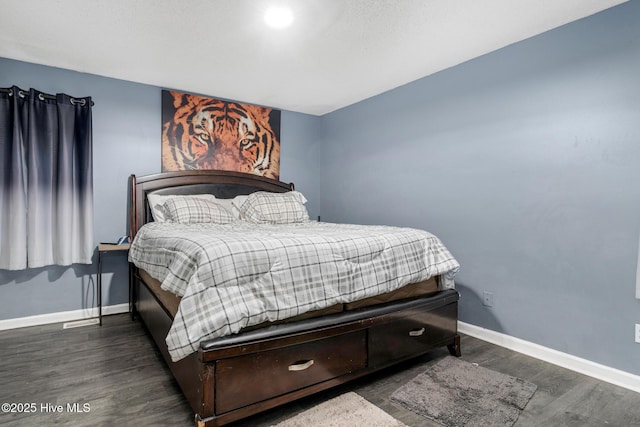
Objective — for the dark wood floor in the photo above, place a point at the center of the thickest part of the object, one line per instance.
(116, 370)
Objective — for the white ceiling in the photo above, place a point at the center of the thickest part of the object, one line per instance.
(336, 52)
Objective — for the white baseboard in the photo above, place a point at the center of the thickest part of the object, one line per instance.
(60, 317)
(565, 360)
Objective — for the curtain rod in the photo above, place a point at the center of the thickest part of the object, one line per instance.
(44, 96)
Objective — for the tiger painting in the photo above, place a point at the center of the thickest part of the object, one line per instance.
(207, 133)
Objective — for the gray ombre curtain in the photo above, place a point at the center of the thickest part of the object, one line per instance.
(46, 183)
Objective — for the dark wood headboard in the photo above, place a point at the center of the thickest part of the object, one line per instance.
(222, 184)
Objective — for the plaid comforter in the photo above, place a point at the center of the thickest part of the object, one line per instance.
(242, 274)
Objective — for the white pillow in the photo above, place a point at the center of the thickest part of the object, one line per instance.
(194, 210)
(157, 201)
(236, 204)
(228, 205)
(274, 208)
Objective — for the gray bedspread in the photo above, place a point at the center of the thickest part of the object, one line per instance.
(241, 274)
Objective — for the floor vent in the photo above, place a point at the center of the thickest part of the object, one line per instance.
(79, 323)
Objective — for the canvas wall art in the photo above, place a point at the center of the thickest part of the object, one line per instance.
(208, 133)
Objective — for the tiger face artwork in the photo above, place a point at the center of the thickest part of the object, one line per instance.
(207, 133)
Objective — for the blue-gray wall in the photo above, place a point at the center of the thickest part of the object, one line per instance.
(126, 140)
(526, 163)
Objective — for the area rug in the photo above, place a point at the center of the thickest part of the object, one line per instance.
(456, 393)
(346, 410)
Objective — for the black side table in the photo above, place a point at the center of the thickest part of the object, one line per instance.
(105, 247)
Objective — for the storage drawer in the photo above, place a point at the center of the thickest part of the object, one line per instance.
(410, 334)
(244, 380)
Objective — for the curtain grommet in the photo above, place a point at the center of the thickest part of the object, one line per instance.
(74, 101)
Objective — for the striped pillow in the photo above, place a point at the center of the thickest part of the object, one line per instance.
(156, 203)
(274, 208)
(192, 210)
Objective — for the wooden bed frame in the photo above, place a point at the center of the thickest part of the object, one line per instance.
(233, 377)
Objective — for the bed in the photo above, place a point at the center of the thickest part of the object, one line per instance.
(276, 347)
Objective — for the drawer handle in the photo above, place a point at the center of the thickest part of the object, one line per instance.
(416, 332)
(301, 366)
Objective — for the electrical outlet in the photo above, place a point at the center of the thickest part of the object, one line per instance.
(638, 333)
(487, 299)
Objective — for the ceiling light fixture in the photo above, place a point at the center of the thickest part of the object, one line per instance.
(278, 17)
